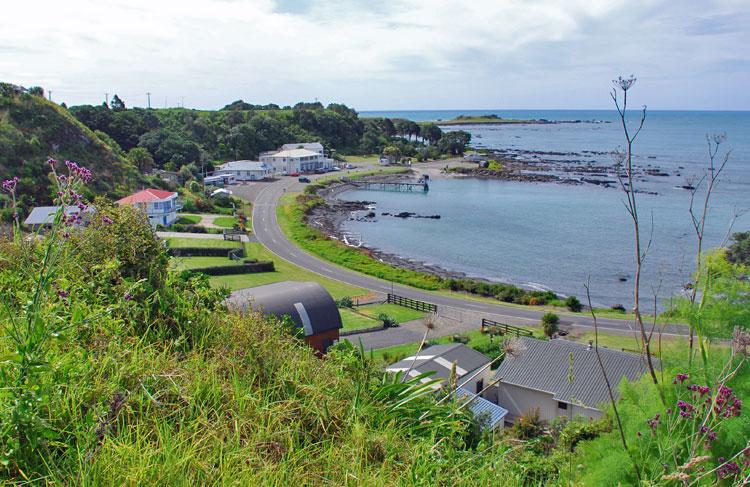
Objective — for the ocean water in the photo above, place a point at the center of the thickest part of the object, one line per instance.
(554, 236)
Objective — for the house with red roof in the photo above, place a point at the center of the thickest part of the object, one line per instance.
(160, 206)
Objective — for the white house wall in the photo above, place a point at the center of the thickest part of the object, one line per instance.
(519, 400)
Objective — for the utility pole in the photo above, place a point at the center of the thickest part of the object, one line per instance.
(182, 101)
(49, 95)
(148, 94)
(106, 98)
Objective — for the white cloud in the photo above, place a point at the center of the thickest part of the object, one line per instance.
(405, 53)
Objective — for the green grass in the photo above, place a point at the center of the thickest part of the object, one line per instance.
(367, 158)
(398, 313)
(183, 263)
(285, 271)
(188, 219)
(355, 321)
(181, 242)
(225, 221)
(289, 214)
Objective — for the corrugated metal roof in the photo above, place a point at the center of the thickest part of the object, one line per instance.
(440, 358)
(45, 215)
(308, 304)
(245, 166)
(544, 365)
(488, 413)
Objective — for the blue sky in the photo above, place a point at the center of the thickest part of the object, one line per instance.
(377, 54)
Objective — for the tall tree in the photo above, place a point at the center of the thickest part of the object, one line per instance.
(117, 103)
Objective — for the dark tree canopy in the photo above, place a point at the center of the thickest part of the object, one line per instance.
(739, 251)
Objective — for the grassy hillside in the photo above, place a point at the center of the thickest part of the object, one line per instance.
(33, 129)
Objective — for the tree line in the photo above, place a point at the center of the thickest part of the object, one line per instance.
(176, 137)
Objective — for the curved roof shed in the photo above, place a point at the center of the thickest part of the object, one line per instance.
(308, 304)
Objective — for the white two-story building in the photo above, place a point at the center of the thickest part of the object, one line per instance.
(160, 206)
(303, 157)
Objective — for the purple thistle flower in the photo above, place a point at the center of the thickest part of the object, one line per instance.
(680, 378)
(63, 293)
(9, 185)
(128, 297)
(51, 161)
(107, 220)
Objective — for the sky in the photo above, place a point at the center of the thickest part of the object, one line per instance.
(378, 54)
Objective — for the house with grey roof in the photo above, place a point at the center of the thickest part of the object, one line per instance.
(309, 306)
(561, 378)
(472, 368)
(44, 216)
(473, 375)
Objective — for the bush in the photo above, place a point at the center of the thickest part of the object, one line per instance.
(529, 425)
(387, 320)
(460, 339)
(345, 302)
(550, 323)
(618, 307)
(573, 304)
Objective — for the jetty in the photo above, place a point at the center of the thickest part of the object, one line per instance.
(420, 186)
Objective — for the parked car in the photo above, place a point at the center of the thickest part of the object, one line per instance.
(304, 179)
(335, 168)
(294, 174)
(349, 166)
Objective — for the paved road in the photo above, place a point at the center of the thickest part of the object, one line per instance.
(268, 233)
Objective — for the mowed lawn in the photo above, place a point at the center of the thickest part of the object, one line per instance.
(285, 271)
(225, 221)
(186, 263)
(398, 313)
(355, 321)
(183, 242)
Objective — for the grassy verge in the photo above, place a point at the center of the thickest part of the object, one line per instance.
(355, 321)
(188, 219)
(290, 217)
(181, 242)
(285, 271)
(398, 313)
(225, 221)
(367, 158)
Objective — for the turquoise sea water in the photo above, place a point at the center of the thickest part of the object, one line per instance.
(555, 236)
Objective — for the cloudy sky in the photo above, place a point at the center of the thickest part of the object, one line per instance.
(380, 54)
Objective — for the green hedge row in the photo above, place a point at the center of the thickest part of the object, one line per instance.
(225, 270)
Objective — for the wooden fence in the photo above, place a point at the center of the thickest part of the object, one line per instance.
(411, 303)
(504, 329)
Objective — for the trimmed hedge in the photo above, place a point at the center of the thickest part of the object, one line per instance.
(225, 270)
(201, 251)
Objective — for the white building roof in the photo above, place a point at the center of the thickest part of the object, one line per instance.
(245, 166)
(294, 153)
(313, 146)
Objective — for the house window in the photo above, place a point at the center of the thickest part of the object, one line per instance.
(562, 405)
(480, 385)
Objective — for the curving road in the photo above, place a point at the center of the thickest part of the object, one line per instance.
(267, 232)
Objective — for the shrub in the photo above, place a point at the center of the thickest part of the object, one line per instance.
(387, 320)
(573, 304)
(345, 302)
(529, 425)
(550, 323)
(618, 307)
(460, 339)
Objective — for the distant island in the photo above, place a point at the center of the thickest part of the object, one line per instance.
(492, 119)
